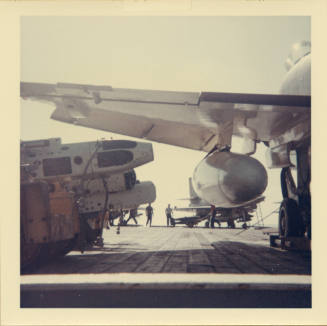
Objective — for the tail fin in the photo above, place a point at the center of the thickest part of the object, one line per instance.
(193, 195)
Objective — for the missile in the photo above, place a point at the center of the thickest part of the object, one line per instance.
(226, 179)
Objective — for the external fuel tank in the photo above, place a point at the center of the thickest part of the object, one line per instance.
(226, 179)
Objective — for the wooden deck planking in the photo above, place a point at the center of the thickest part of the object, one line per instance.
(157, 261)
(259, 254)
(181, 250)
(275, 261)
(217, 259)
(239, 261)
(199, 261)
(178, 257)
(135, 252)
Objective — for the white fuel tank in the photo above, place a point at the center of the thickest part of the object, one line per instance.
(227, 179)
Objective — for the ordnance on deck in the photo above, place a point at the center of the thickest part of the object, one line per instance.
(123, 201)
(66, 192)
(91, 206)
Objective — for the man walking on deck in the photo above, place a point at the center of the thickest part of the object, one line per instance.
(149, 213)
(132, 215)
(168, 214)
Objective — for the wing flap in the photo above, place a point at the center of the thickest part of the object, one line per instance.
(163, 131)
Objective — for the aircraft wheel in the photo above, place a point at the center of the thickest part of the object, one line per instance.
(289, 219)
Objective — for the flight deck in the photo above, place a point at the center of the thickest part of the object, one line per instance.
(162, 266)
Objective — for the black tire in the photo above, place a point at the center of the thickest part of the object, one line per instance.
(206, 224)
(272, 240)
(289, 221)
(283, 182)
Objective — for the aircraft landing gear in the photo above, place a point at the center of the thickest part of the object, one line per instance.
(289, 224)
(294, 221)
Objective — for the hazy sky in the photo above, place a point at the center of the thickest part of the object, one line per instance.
(223, 54)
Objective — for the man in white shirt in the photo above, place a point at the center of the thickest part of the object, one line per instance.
(168, 214)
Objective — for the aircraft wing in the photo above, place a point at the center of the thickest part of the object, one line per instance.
(192, 120)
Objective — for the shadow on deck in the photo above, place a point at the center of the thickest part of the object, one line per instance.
(220, 257)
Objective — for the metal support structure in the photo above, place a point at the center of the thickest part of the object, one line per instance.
(258, 213)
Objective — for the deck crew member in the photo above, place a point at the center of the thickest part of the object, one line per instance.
(149, 213)
(132, 215)
(168, 214)
(213, 217)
